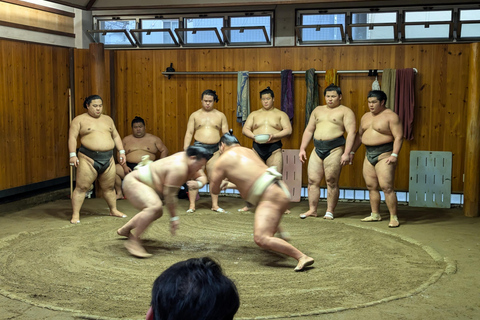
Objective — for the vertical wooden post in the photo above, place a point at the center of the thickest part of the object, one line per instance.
(97, 76)
(97, 69)
(471, 188)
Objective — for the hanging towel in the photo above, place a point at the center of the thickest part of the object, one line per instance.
(243, 96)
(375, 84)
(287, 93)
(312, 93)
(405, 100)
(388, 85)
(331, 77)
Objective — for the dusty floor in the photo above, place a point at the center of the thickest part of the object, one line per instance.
(426, 269)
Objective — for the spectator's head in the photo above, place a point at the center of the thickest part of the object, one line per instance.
(228, 139)
(89, 100)
(138, 127)
(379, 94)
(209, 97)
(195, 289)
(332, 87)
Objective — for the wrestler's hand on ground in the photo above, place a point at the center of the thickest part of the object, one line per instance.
(345, 159)
(392, 160)
(302, 155)
(174, 226)
(74, 162)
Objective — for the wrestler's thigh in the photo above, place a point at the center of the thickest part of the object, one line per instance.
(211, 163)
(119, 171)
(276, 159)
(385, 173)
(315, 168)
(269, 210)
(107, 178)
(139, 194)
(332, 163)
(369, 174)
(86, 173)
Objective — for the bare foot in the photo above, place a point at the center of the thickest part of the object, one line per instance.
(372, 217)
(136, 249)
(244, 209)
(393, 222)
(119, 196)
(308, 214)
(304, 262)
(328, 216)
(116, 213)
(124, 232)
(287, 212)
(75, 218)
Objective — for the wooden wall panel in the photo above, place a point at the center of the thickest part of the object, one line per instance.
(34, 113)
(441, 86)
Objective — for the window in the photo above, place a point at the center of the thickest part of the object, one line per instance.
(372, 27)
(201, 31)
(428, 25)
(156, 32)
(469, 24)
(247, 30)
(114, 32)
(317, 28)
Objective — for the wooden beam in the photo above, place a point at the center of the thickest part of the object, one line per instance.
(471, 193)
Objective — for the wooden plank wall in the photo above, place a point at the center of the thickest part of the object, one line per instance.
(34, 97)
(441, 89)
(34, 83)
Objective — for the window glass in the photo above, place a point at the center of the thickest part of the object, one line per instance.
(428, 16)
(422, 32)
(469, 15)
(157, 37)
(377, 33)
(116, 38)
(250, 35)
(324, 34)
(203, 37)
(378, 17)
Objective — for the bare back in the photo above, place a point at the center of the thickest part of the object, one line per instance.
(376, 129)
(208, 125)
(135, 148)
(329, 122)
(95, 133)
(241, 166)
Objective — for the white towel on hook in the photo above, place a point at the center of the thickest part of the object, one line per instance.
(375, 84)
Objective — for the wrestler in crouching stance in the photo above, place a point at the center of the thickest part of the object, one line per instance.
(261, 186)
(154, 184)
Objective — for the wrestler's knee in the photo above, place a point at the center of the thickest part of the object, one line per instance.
(261, 240)
(332, 182)
(387, 189)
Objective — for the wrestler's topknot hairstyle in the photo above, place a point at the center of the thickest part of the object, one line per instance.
(267, 90)
(379, 94)
(212, 93)
(89, 100)
(137, 120)
(332, 87)
(199, 152)
(228, 138)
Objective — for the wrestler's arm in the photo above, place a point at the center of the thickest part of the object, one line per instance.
(199, 178)
(218, 175)
(173, 180)
(189, 132)
(73, 133)
(358, 137)
(126, 169)
(225, 127)
(397, 132)
(307, 136)
(286, 125)
(247, 127)
(118, 143)
(162, 148)
(350, 126)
